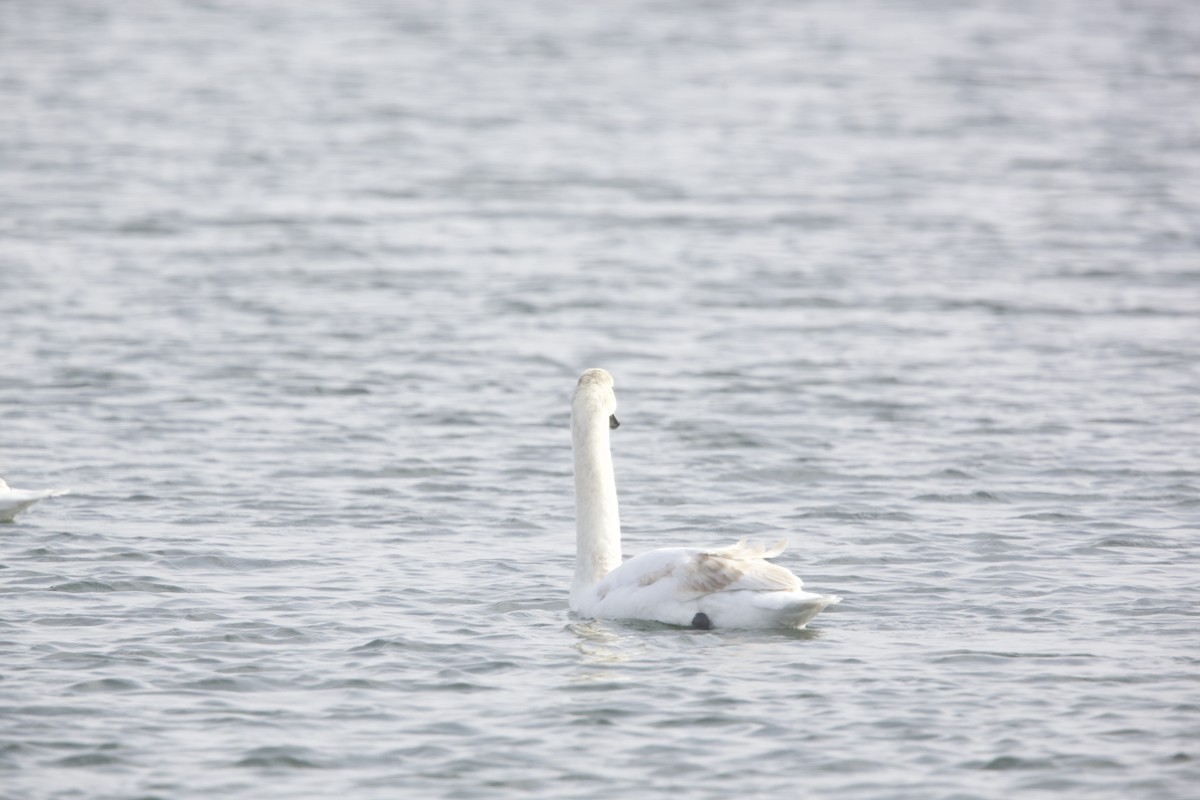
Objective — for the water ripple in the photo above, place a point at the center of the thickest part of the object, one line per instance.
(293, 296)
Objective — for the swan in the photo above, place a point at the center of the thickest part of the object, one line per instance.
(14, 501)
(727, 587)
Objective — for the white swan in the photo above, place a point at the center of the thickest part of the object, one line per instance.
(730, 587)
(14, 501)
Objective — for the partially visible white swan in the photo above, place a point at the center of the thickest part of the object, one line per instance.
(14, 501)
(730, 587)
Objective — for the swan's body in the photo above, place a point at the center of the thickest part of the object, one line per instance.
(14, 501)
(730, 587)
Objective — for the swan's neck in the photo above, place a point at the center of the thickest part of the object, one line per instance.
(597, 523)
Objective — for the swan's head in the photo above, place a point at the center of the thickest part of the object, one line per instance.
(594, 397)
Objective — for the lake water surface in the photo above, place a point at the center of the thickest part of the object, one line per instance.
(293, 297)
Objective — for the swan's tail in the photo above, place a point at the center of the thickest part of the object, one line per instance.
(797, 612)
(19, 499)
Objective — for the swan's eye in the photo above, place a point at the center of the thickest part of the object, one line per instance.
(612, 422)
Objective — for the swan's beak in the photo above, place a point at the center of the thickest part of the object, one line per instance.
(612, 422)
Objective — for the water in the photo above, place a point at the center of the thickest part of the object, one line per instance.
(294, 297)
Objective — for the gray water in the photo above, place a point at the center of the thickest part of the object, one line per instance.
(293, 297)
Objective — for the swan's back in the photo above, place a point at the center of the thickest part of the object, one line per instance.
(731, 587)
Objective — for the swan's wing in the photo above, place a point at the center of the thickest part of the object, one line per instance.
(734, 587)
(739, 567)
(644, 570)
(691, 572)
